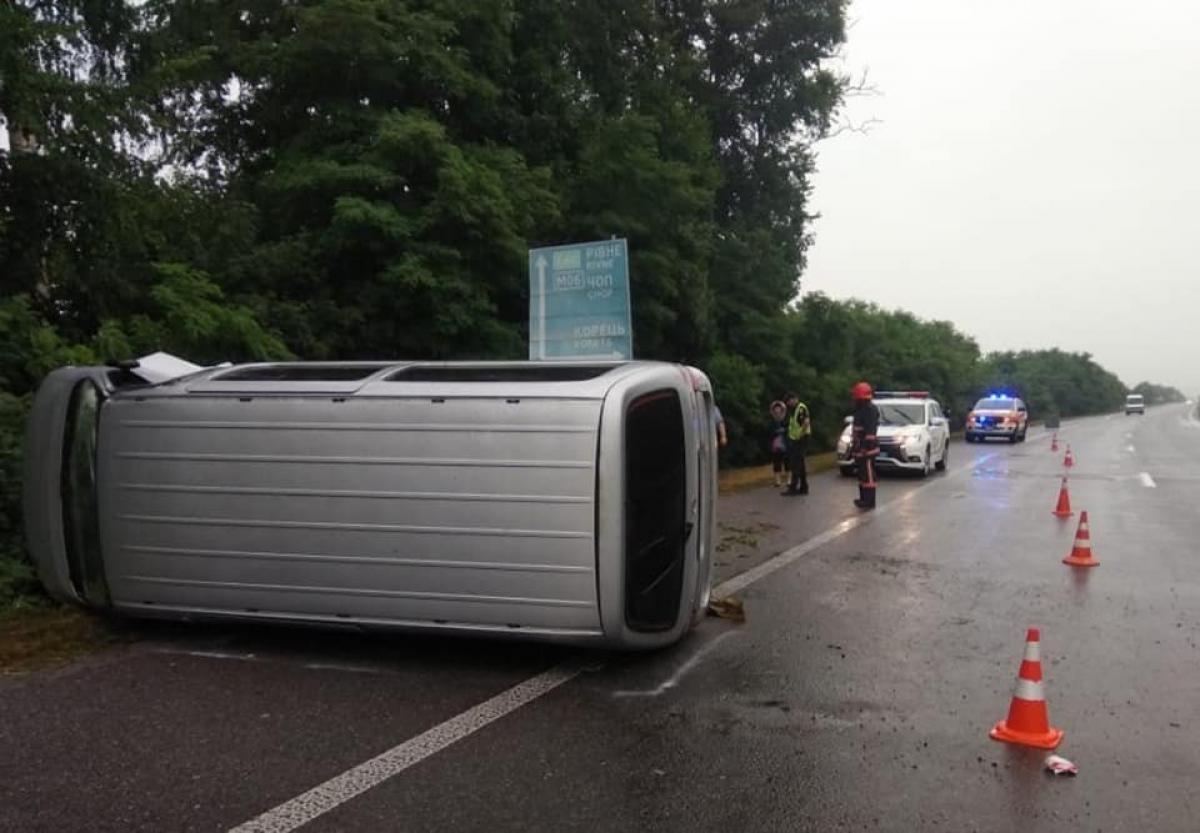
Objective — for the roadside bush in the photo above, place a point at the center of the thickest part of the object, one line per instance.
(739, 392)
(17, 579)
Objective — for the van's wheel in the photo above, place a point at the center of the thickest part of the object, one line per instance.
(941, 464)
(928, 462)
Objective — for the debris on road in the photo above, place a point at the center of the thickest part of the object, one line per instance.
(730, 608)
(1060, 766)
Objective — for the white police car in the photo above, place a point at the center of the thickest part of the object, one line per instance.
(914, 434)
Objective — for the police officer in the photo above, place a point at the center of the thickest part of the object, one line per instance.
(799, 427)
(864, 443)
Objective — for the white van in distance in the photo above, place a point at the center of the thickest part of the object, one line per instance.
(1135, 403)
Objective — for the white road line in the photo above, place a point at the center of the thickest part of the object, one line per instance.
(337, 666)
(778, 562)
(208, 654)
(680, 673)
(353, 782)
(1147, 480)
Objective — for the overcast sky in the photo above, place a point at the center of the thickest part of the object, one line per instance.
(1034, 176)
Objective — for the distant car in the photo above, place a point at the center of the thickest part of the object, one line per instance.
(998, 415)
(1135, 403)
(914, 434)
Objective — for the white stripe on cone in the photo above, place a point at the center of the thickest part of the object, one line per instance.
(1029, 690)
(1033, 651)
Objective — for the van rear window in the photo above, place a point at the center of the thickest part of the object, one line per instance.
(520, 373)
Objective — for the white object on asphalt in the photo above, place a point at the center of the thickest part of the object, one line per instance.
(1061, 766)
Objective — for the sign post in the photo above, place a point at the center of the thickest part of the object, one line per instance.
(579, 301)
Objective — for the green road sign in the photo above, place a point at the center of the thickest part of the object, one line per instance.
(579, 301)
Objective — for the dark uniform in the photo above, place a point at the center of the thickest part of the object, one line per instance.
(864, 443)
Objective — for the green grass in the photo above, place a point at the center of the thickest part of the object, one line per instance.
(48, 636)
(751, 477)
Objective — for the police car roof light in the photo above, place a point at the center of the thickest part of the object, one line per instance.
(901, 394)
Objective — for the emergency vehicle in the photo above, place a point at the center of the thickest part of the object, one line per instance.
(914, 434)
(998, 415)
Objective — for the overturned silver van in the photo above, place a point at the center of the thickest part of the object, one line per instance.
(561, 501)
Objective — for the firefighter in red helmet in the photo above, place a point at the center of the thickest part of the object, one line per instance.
(864, 443)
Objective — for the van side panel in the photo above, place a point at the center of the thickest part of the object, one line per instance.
(468, 511)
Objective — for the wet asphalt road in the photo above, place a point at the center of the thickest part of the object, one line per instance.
(857, 696)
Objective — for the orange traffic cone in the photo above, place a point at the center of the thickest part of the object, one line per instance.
(1081, 553)
(1068, 461)
(1063, 510)
(1054, 442)
(1028, 720)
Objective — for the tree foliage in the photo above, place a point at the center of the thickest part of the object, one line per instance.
(1158, 394)
(1055, 383)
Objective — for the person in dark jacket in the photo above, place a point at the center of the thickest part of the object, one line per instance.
(777, 439)
(864, 443)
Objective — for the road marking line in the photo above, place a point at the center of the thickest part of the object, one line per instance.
(1147, 480)
(337, 666)
(208, 654)
(353, 782)
(680, 672)
(783, 559)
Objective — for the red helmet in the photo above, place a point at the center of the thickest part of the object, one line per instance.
(862, 391)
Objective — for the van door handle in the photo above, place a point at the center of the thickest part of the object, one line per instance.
(688, 526)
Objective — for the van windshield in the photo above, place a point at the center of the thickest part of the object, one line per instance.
(995, 405)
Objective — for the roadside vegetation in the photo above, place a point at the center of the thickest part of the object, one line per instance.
(363, 178)
(1159, 394)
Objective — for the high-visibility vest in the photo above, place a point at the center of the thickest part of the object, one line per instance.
(798, 429)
